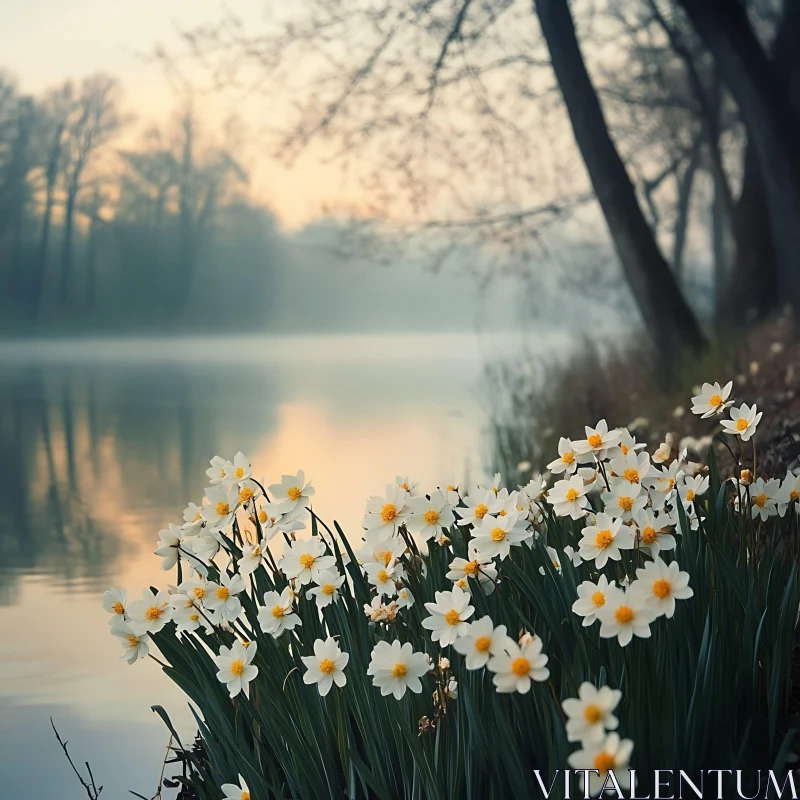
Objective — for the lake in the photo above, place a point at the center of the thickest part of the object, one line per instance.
(102, 443)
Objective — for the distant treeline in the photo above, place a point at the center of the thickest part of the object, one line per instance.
(97, 237)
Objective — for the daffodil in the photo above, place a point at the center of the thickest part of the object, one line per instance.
(591, 599)
(763, 498)
(276, 615)
(409, 487)
(330, 581)
(478, 503)
(631, 467)
(625, 500)
(612, 754)
(326, 666)
(235, 666)
(663, 452)
(234, 792)
(653, 531)
(567, 460)
(384, 577)
(220, 467)
(597, 441)
(151, 613)
(221, 597)
(378, 611)
(219, 510)
(169, 541)
(496, 535)
(386, 514)
(624, 615)
(404, 598)
(481, 641)
(305, 560)
(237, 471)
(661, 585)
(253, 554)
(428, 517)
(518, 665)
(477, 568)
(396, 668)
(187, 614)
(789, 494)
(712, 399)
(114, 602)
(293, 494)
(590, 715)
(743, 421)
(449, 615)
(192, 520)
(135, 645)
(605, 539)
(568, 497)
(692, 488)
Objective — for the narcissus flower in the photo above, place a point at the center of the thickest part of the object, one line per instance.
(114, 603)
(305, 560)
(598, 440)
(605, 539)
(743, 421)
(653, 531)
(591, 599)
(479, 569)
(293, 494)
(763, 498)
(568, 497)
(590, 715)
(221, 597)
(404, 598)
(235, 666)
(567, 460)
(385, 514)
(411, 488)
(330, 581)
(789, 494)
(396, 668)
(187, 614)
(481, 641)
(496, 535)
(631, 467)
(384, 578)
(692, 488)
(237, 471)
(625, 500)
(449, 615)
(661, 585)
(151, 613)
(515, 668)
(625, 614)
(169, 541)
(713, 399)
(134, 645)
(192, 520)
(609, 755)
(220, 467)
(276, 615)
(429, 517)
(234, 792)
(253, 553)
(221, 506)
(479, 502)
(326, 666)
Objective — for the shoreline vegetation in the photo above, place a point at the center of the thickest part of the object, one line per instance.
(599, 619)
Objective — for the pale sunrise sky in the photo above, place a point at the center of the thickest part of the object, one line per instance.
(44, 42)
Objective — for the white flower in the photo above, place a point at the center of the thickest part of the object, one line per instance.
(114, 603)
(653, 531)
(378, 611)
(663, 452)
(167, 548)
(404, 598)
(479, 502)
(234, 792)
(482, 570)
(712, 399)
(517, 666)
(135, 645)
(238, 470)
(624, 500)
(382, 551)
(692, 488)
(252, 556)
(590, 714)
(535, 488)
(743, 421)
(597, 440)
(452, 689)
(605, 539)
(449, 615)
(276, 615)
(293, 494)
(395, 668)
(151, 613)
(428, 517)
(631, 467)
(627, 442)
(411, 489)
(609, 755)
(568, 497)
(221, 597)
(450, 490)
(326, 666)
(186, 613)
(763, 498)
(273, 521)
(235, 666)
(192, 519)
(248, 490)
(305, 560)
(661, 585)
(221, 506)
(624, 615)
(554, 560)
(385, 514)
(495, 535)
(573, 555)
(383, 577)
(330, 581)
(789, 493)
(220, 467)
(591, 599)
(481, 641)
(195, 588)
(567, 460)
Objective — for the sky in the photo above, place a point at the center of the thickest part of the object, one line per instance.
(44, 42)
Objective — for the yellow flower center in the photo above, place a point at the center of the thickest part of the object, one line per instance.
(328, 589)
(625, 503)
(388, 512)
(118, 608)
(794, 494)
(741, 423)
(197, 517)
(461, 583)
(715, 401)
(223, 508)
(593, 714)
(278, 612)
(307, 560)
(326, 666)
(624, 614)
(760, 500)
(294, 493)
(153, 613)
(599, 599)
(497, 534)
(262, 516)
(450, 487)
(239, 472)
(631, 475)
(194, 617)
(662, 588)
(604, 763)
(481, 510)
(690, 495)
(199, 592)
(399, 670)
(222, 592)
(501, 513)
(431, 517)
(472, 567)
(648, 534)
(133, 639)
(382, 575)
(385, 556)
(237, 667)
(603, 538)
(624, 449)
(482, 644)
(520, 667)
(452, 617)
(403, 486)
(595, 440)
(245, 796)
(572, 495)
(568, 457)
(245, 494)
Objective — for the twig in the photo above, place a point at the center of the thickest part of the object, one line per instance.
(92, 792)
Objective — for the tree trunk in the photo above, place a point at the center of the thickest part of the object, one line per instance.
(664, 310)
(762, 99)
(66, 253)
(685, 184)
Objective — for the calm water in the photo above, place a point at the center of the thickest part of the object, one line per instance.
(103, 443)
